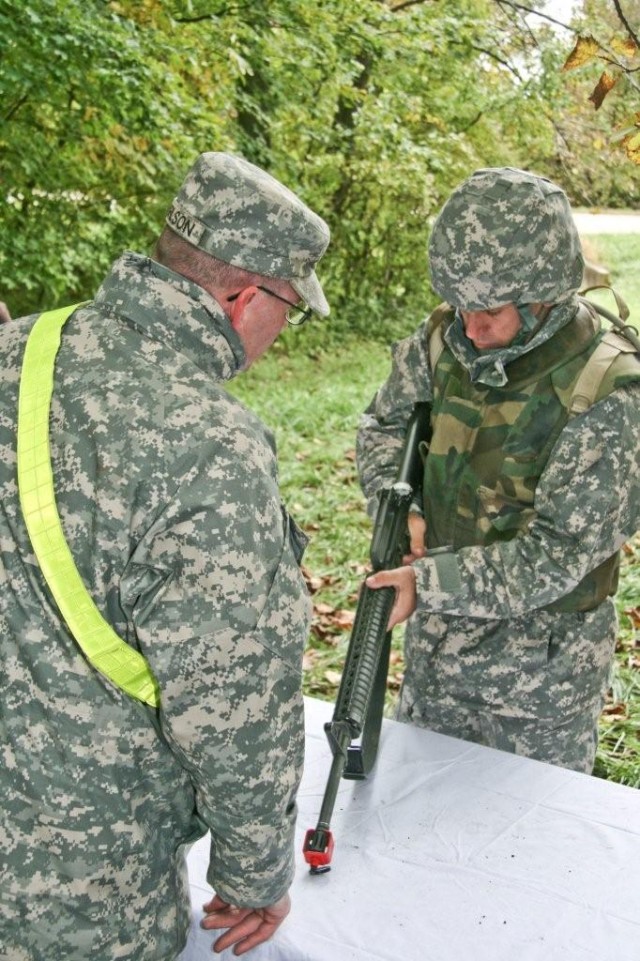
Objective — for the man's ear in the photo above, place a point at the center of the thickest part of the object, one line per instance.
(240, 304)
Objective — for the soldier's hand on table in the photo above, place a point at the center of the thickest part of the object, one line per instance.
(247, 927)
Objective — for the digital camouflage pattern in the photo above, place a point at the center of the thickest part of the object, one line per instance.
(523, 504)
(240, 213)
(505, 236)
(167, 490)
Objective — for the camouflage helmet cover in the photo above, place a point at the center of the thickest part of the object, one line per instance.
(505, 236)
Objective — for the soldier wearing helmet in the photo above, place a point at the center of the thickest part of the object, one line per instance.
(530, 478)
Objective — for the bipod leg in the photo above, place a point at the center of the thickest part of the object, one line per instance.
(318, 842)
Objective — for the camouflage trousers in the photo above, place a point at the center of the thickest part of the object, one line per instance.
(533, 686)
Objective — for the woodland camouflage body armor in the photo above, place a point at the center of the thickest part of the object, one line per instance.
(490, 445)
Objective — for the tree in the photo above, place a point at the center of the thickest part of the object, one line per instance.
(373, 110)
(99, 111)
(605, 40)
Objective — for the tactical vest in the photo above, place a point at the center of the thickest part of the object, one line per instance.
(490, 445)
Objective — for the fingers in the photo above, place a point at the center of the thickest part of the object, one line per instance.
(417, 535)
(253, 930)
(247, 927)
(215, 904)
(403, 581)
(227, 916)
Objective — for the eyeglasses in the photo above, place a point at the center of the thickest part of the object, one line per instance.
(297, 315)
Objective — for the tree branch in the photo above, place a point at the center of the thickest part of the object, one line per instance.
(610, 56)
(16, 106)
(498, 59)
(408, 3)
(537, 13)
(625, 23)
(230, 10)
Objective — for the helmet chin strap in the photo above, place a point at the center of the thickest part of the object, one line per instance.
(532, 320)
(527, 317)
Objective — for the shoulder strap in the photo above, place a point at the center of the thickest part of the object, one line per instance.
(435, 336)
(595, 370)
(622, 339)
(108, 653)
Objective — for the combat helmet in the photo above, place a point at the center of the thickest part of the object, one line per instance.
(505, 236)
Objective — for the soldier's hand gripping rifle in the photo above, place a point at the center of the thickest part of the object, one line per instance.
(360, 702)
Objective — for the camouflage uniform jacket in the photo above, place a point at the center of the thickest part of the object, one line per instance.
(168, 495)
(584, 505)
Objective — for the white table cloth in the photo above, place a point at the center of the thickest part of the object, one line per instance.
(455, 852)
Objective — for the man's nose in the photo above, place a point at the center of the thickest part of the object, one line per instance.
(472, 318)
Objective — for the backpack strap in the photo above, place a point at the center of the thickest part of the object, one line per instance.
(587, 386)
(435, 338)
(104, 649)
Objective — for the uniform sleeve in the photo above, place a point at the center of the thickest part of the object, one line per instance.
(586, 507)
(222, 614)
(383, 425)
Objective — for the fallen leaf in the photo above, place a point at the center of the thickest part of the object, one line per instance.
(614, 710)
(334, 677)
(323, 608)
(343, 619)
(633, 613)
(324, 634)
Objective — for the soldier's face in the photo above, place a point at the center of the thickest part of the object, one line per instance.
(491, 329)
(258, 318)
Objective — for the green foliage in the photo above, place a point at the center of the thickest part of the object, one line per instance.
(591, 158)
(371, 110)
(100, 113)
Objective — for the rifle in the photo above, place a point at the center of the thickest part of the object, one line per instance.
(360, 701)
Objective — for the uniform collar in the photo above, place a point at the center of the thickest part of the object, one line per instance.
(174, 310)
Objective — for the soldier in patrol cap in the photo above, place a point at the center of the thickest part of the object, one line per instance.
(168, 494)
(531, 478)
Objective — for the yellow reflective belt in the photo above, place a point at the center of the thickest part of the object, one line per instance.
(108, 653)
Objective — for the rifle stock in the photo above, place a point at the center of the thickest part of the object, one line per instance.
(360, 701)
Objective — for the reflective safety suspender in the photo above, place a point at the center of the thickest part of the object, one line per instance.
(108, 653)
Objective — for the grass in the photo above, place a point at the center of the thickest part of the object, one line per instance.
(619, 751)
(313, 405)
(620, 254)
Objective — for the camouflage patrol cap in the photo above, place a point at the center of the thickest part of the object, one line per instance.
(243, 216)
(505, 236)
